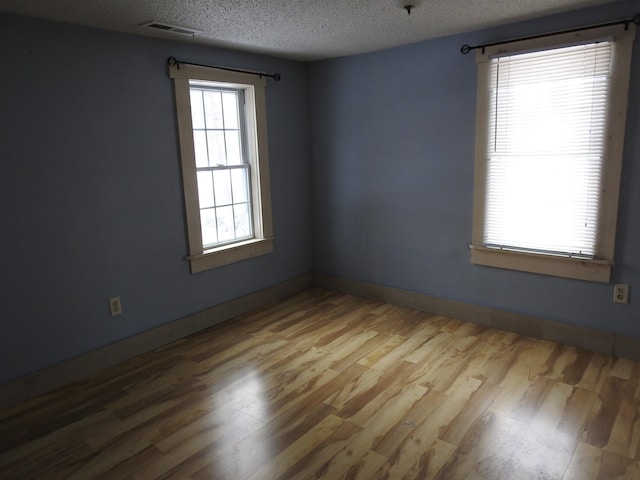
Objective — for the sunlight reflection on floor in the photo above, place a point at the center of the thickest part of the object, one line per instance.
(246, 395)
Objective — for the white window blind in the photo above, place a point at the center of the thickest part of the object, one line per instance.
(547, 131)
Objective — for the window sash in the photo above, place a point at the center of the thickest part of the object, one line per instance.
(222, 164)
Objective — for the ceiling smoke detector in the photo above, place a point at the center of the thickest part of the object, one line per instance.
(167, 27)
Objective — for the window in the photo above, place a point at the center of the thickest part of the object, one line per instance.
(223, 142)
(549, 139)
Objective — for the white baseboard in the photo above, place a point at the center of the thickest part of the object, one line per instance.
(74, 369)
(554, 331)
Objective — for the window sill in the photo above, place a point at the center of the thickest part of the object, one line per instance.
(579, 269)
(228, 254)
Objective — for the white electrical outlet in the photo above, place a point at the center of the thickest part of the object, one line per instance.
(115, 306)
(621, 293)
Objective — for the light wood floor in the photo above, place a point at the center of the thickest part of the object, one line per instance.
(331, 386)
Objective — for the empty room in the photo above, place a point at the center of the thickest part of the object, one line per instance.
(382, 239)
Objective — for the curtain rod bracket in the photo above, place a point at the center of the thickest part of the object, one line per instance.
(173, 61)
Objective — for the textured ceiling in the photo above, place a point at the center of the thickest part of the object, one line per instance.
(296, 29)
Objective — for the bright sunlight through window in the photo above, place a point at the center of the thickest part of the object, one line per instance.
(550, 127)
(222, 126)
(222, 169)
(546, 144)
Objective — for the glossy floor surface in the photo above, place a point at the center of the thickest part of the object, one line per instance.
(330, 386)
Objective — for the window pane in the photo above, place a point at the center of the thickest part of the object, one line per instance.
(222, 186)
(215, 140)
(233, 147)
(230, 104)
(240, 185)
(208, 221)
(200, 147)
(205, 190)
(224, 217)
(213, 109)
(197, 112)
(242, 220)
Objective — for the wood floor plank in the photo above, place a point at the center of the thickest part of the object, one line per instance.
(451, 365)
(410, 449)
(486, 449)
(550, 441)
(617, 467)
(431, 462)
(54, 410)
(161, 409)
(596, 372)
(129, 467)
(530, 402)
(476, 406)
(314, 463)
(382, 351)
(57, 460)
(605, 411)
(348, 461)
(214, 434)
(54, 439)
(585, 463)
(512, 389)
(330, 386)
(331, 429)
(622, 368)
(426, 407)
(365, 404)
(624, 433)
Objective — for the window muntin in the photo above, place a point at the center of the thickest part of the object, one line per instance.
(590, 262)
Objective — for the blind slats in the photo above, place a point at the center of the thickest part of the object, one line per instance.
(545, 149)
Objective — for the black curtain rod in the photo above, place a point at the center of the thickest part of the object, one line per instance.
(173, 61)
(467, 48)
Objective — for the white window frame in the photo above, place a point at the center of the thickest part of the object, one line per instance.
(596, 269)
(254, 87)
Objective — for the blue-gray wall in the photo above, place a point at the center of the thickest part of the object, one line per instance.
(392, 149)
(91, 200)
(372, 177)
